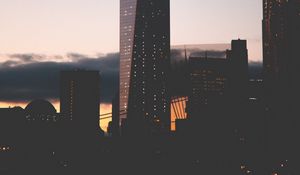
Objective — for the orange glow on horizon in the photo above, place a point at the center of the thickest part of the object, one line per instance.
(104, 109)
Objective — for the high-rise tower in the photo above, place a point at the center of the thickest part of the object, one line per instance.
(144, 64)
(281, 26)
(281, 36)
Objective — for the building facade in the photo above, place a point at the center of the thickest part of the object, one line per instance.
(281, 26)
(281, 36)
(144, 64)
(80, 100)
(208, 79)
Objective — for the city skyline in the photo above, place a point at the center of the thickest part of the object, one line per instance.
(54, 30)
(205, 86)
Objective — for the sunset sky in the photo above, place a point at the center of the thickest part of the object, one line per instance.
(92, 26)
(53, 29)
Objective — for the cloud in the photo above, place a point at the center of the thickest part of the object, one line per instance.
(178, 54)
(27, 58)
(25, 77)
(31, 77)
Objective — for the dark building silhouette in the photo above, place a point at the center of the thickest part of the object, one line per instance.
(41, 110)
(12, 126)
(115, 123)
(208, 99)
(281, 36)
(12, 138)
(144, 65)
(223, 116)
(239, 79)
(281, 26)
(208, 79)
(218, 92)
(80, 100)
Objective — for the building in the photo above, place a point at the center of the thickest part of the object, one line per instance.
(281, 36)
(281, 26)
(41, 111)
(208, 79)
(80, 100)
(238, 69)
(115, 123)
(218, 87)
(14, 138)
(12, 126)
(144, 65)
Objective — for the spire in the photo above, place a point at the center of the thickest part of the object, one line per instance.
(185, 54)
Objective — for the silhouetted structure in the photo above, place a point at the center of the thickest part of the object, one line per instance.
(144, 66)
(41, 110)
(12, 123)
(238, 69)
(208, 79)
(281, 26)
(281, 36)
(12, 138)
(115, 124)
(80, 100)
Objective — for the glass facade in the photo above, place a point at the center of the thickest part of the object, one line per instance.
(127, 23)
(145, 61)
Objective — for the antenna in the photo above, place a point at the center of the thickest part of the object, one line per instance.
(185, 54)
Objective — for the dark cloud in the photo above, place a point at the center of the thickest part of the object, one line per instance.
(9, 63)
(76, 56)
(25, 82)
(27, 58)
(29, 77)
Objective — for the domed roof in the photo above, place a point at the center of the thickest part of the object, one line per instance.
(40, 107)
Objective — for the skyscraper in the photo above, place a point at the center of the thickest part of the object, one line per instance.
(80, 100)
(281, 36)
(238, 58)
(144, 64)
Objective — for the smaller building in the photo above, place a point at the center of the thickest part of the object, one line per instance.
(208, 81)
(41, 110)
(80, 101)
(12, 126)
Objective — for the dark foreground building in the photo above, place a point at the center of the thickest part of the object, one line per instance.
(80, 100)
(218, 88)
(281, 36)
(281, 26)
(144, 66)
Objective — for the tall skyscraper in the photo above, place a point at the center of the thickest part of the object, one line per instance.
(80, 100)
(281, 36)
(144, 64)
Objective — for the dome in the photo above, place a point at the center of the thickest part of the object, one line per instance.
(40, 107)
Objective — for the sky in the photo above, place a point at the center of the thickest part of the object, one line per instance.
(38, 38)
(92, 26)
